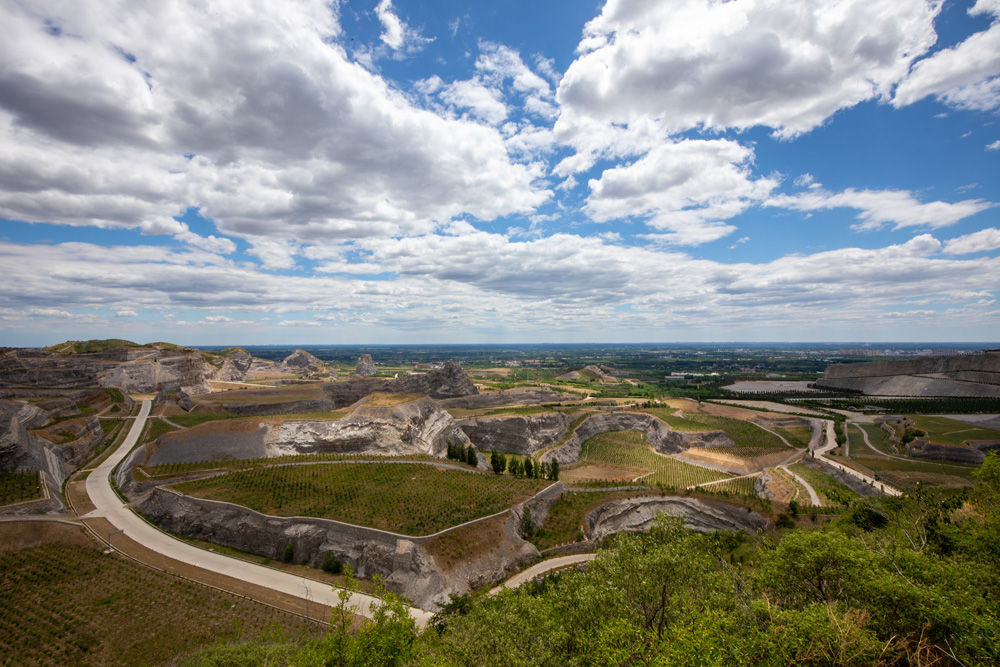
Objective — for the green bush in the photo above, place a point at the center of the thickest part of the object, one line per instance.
(289, 553)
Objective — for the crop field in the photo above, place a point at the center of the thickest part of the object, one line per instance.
(741, 487)
(75, 605)
(169, 470)
(630, 450)
(405, 498)
(265, 395)
(16, 487)
(951, 431)
(563, 524)
(682, 424)
(751, 440)
(876, 435)
(830, 491)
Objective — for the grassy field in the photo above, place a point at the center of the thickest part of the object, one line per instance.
(155, 429)
(751, 440)
(565, 519)
(741, 487)
(797, 436)
(830, 491)
(876, 435)
(951, 431)
(682, 424)
(629, 451)
(19, 486)
(75, 605)
(264, 396)
(405, 498)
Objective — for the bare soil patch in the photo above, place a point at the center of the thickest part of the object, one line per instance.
(718, 456)
(76, 492)
(467, 543)
(17, 535)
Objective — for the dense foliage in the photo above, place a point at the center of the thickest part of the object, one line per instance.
(894, 581)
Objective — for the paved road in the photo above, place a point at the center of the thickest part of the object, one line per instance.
(813, 496)
(110, 506)
(831, 443)
(539, 569)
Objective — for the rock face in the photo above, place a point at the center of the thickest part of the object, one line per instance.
(516, 434)
(975, 375)
(522, 396)
(54, 451)
(639, 514)
(235, 367)
(132, 369)
(932, 450)
(417, 427)
(663, 438)
(365, 366)
(448, 381)
(303, 362)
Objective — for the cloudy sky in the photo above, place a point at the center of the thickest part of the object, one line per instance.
(279, 171)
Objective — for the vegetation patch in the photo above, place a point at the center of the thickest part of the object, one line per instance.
(951, 431)
(16, 487)
(405, 498)
(75, 605)
(630, 450)
(156, 428)
(829, 490)
(564, 524)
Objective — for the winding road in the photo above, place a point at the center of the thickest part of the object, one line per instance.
(110, 506)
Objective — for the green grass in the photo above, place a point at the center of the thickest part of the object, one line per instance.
(829, 490)
(876, 435)
(90, 346)
(156, 428)
(114, 394)
(110, 426)
(563, 524)
(19, 486)
(751, 440)
(630, 449)
(881, 464)
(740, 487)
(797, 436)
(74, 605)
(406, 498)
(684, 425)
(195, 418)
(951, 431)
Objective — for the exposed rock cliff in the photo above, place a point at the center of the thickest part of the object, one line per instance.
(143, 369)
(638, 514)
(236, 364)
(365, 366)
(303, 362)
(663, 438)
(516, 434)
(954, 375)
(416, 427)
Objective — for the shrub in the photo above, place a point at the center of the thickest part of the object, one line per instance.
(331, 564)
(288, 554)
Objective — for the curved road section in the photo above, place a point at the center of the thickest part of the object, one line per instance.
(111, 507)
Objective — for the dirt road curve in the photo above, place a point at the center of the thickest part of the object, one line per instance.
(539, 569)
(110, 506)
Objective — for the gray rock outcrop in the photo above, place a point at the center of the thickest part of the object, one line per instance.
(932, 450)
(303, 362)
(659, 434)
(639, 514)
(236, 365)
(365, 366)
(973, 375)
(524, 435)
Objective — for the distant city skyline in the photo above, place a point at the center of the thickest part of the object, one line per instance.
(304, 172)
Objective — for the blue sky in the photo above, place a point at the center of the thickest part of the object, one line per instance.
(352, 172)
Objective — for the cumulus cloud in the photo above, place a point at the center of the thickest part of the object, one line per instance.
(981, 241)
(995, 146)
(881, 207)
(257, 116)
(739, 64)
(483, 102)
(686, 188)
(966, 75)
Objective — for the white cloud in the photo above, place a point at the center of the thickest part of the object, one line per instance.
(686, 188)
(396, 34)
(738, 64)
(126, 312)
(995, 146)
(286, 137)
(981, 241)
(485, 103)
(881, 207)
(966, 75)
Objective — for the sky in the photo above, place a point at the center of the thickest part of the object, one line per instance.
(364, 171)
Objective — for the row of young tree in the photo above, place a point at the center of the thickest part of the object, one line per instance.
(463, 454)
(523, 466)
